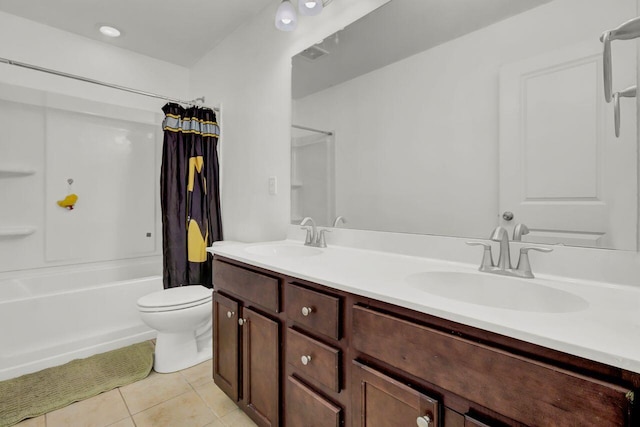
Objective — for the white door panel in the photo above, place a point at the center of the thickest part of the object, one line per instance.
(562, 171)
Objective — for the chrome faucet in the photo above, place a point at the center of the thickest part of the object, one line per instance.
(519, 231)
(311, 230)
(338, 220)
(504, 260)
(504, 267)
(314, 236)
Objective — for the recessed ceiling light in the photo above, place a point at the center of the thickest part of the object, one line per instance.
(109, 31)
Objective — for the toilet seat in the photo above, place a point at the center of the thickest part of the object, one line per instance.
(179, 298)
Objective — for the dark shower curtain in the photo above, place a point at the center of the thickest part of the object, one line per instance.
(189, 193)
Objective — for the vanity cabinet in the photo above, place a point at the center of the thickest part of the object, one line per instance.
(315, 311)
(226, 345)
(521, 389)
(309, 409)
(379, 400)
(247, 340)
(313, 356)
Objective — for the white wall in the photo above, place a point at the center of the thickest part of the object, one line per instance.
(417, 141)
(30, 42)
(249, 73)
(29, 198)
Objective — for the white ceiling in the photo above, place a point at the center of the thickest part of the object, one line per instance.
(180, 32)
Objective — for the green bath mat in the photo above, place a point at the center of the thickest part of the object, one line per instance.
(32, 395)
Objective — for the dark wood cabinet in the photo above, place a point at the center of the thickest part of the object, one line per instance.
(314, 357)
(315, 311)
(261, 367)
(226, 356)
(247, 340)
(314, 360)
(528, 391)
(311, 356)
(381, 401)
(470, 421)
(307, 408)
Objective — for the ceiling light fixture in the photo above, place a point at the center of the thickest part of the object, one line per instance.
(310, 7)
(109, 31)
(286, 18)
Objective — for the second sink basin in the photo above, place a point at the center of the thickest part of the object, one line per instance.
(283, 250)
(497, 291)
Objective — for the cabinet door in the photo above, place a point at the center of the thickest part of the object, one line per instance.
(261, 368)
(381, 401)
(226, 345)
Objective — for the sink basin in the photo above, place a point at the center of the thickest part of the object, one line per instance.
(283, 250)
(497, 291)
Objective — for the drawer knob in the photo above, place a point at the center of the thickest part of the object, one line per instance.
(230, 314)
(306, 311)
(423, 421)
(242, 321)
(305, 360)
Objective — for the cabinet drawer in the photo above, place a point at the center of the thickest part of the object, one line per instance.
(323, 361)
(307, 408)
(258, 288)
(379, 400)
(524, 390)
(472, 422)
(316, 311)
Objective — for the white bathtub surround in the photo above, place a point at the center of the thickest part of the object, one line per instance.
(33, 105)
(51, 316)
(183, 318)
(603, 327)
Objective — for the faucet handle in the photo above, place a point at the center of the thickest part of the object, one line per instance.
(320, 240)
(487, 258)
(526, 249)
(523, 268)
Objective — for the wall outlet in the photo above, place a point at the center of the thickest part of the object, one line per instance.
(273, 185)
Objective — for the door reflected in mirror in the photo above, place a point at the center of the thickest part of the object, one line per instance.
(446, 114)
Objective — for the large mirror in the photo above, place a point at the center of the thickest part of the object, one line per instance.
(451, 117)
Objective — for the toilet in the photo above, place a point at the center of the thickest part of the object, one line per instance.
(182, 317)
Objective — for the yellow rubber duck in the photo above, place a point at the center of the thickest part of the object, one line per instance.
(68, 201)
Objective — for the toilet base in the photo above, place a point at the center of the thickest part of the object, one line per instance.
(178, 350)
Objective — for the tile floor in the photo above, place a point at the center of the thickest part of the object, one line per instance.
(187, 398)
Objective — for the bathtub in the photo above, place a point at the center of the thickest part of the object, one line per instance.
(49, 318)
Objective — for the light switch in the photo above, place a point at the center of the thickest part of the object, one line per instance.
(273, 185)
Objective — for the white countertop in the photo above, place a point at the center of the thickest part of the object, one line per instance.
(607, 330)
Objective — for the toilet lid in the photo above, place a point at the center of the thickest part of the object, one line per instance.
(176, 298)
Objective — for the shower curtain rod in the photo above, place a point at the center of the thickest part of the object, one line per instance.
(312, 129)
(100, 83)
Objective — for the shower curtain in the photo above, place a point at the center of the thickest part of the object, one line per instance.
(189, 192)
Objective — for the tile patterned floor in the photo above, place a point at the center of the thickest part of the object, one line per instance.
(188, 398)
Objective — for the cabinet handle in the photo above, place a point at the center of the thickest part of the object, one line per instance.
(423, 421)
(306, 311)
(230, 314)
(242, 321)
(305, 360)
